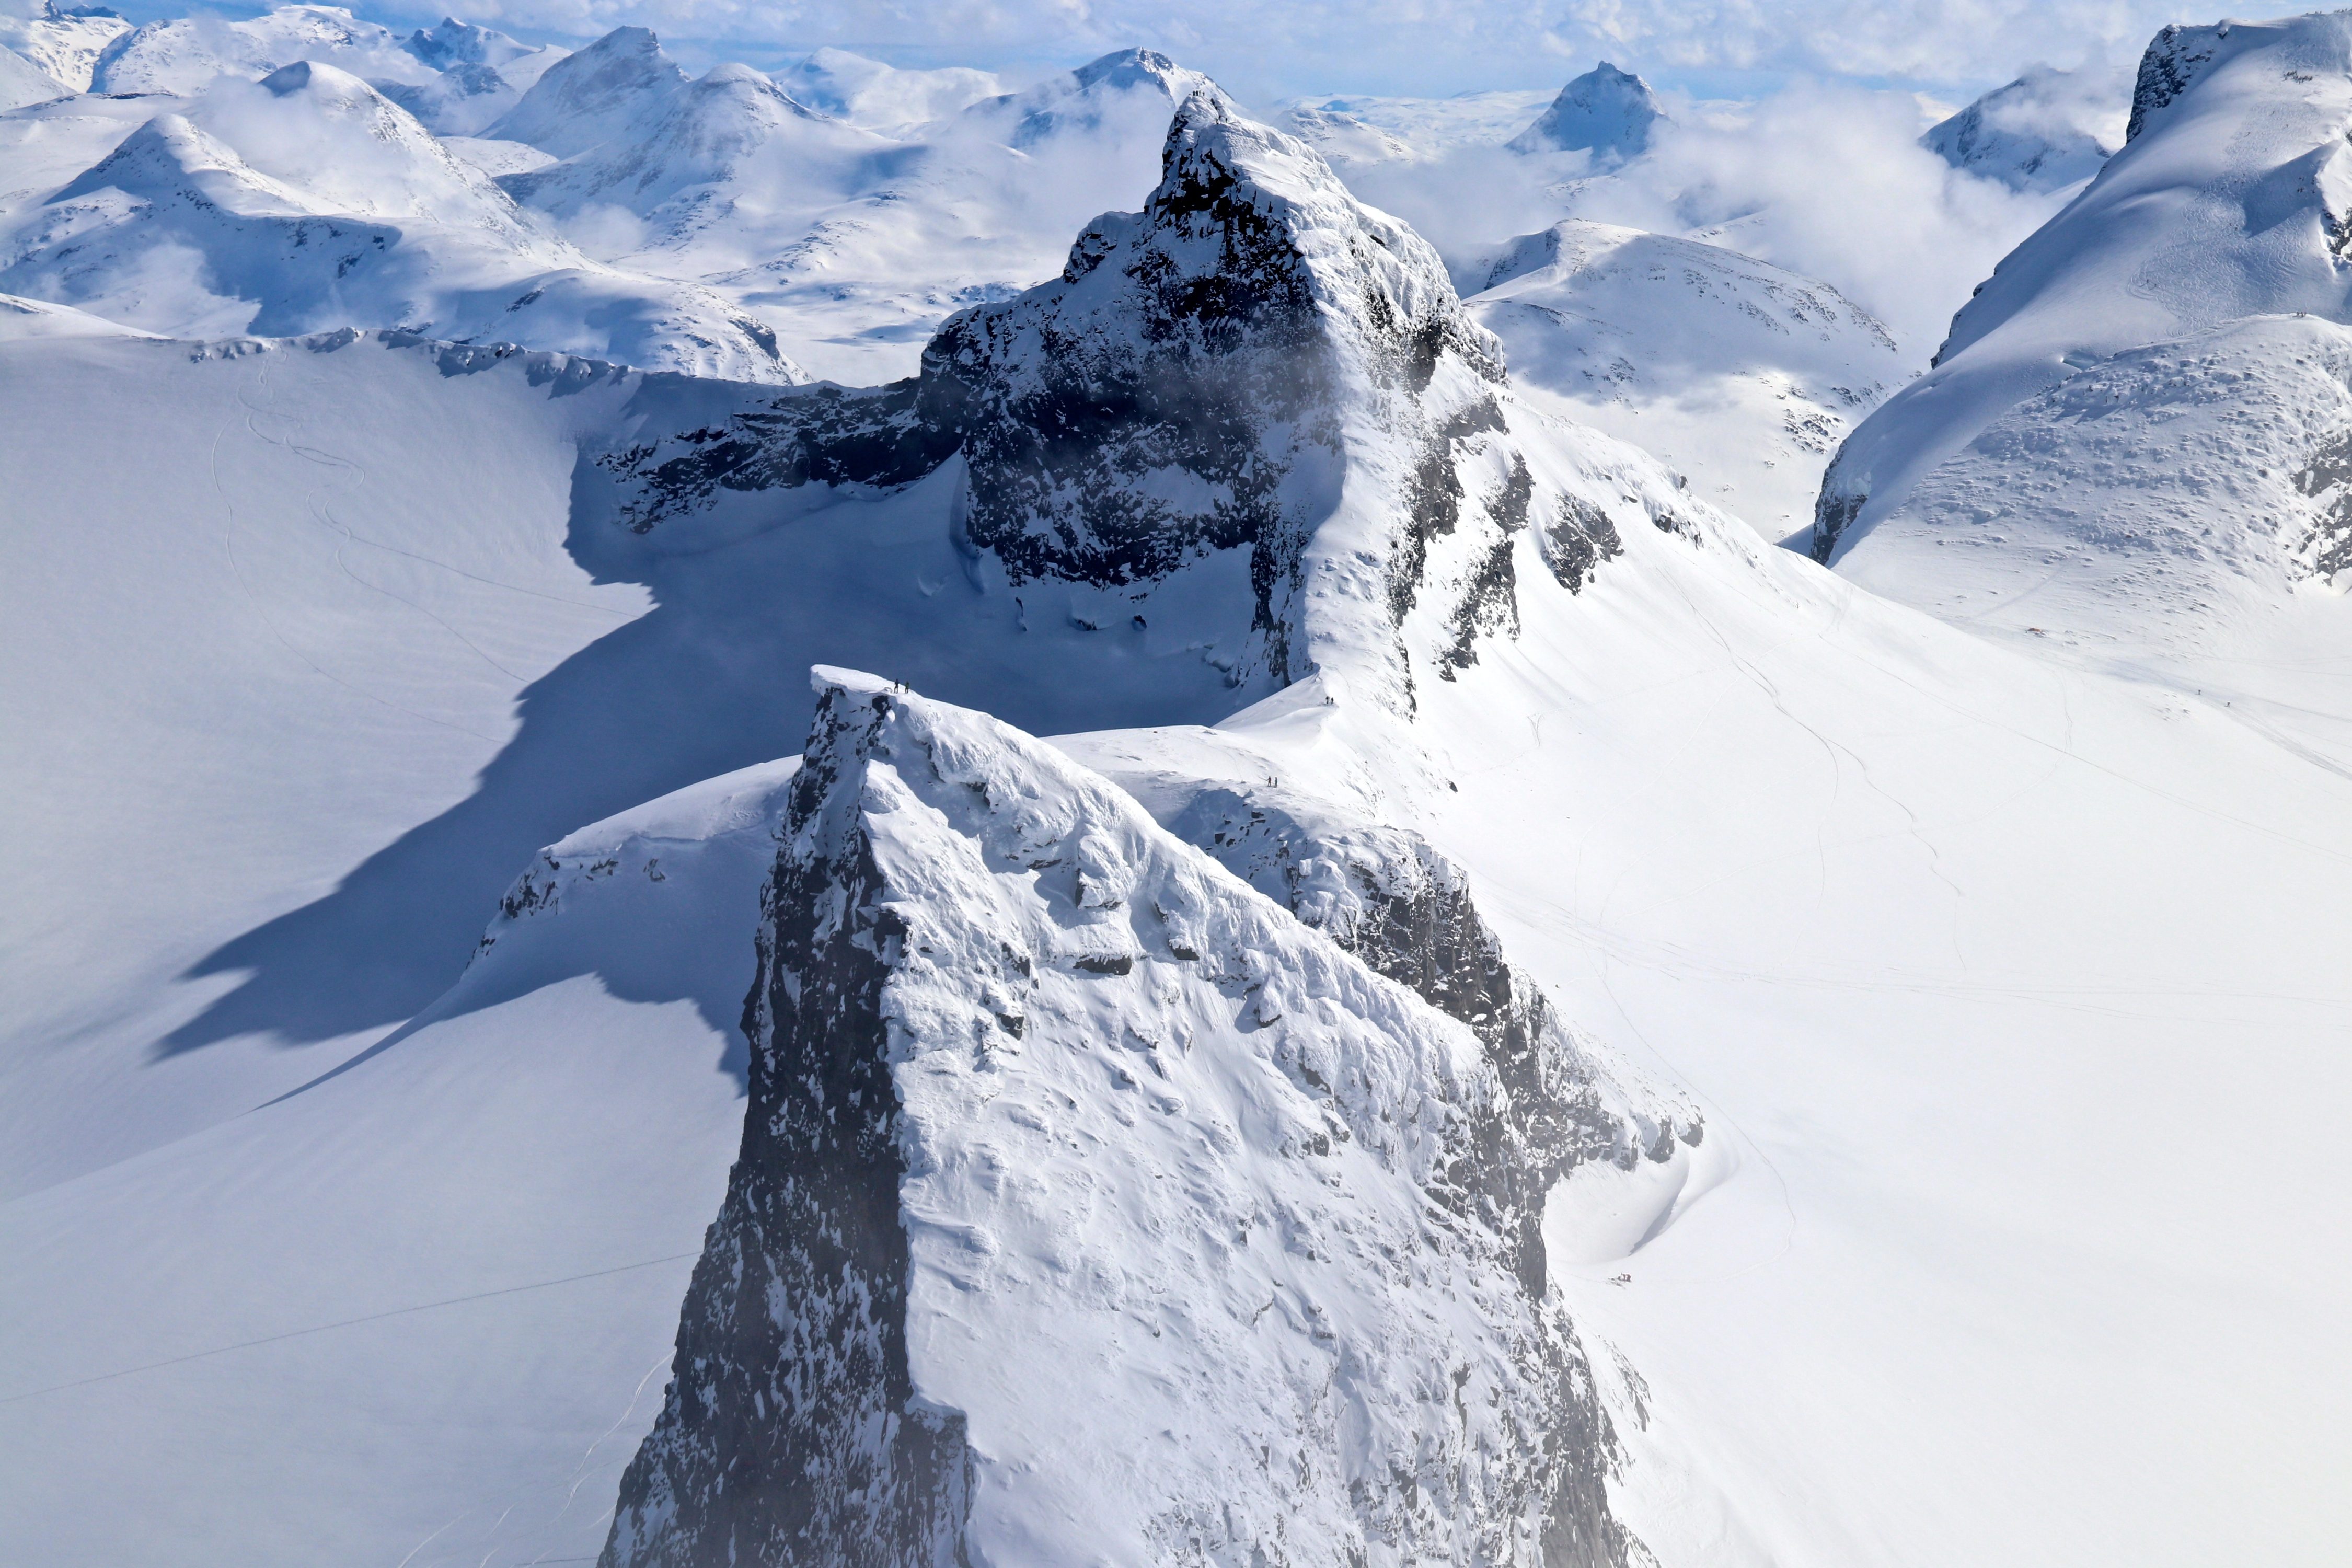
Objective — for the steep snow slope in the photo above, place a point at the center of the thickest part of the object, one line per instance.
(2043, 132)
(23, 82)
(64, 44)
(184, 57)
(309, 202)
(415, 1310)
(2130, 447)
(1738, 372)
(1607, 112)
(612, 89)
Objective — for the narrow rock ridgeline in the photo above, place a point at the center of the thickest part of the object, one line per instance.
(1043, 1104)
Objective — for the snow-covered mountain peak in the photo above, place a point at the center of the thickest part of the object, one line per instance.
(62, 44)
(2134, 434)
(978, 958)
(1254, 328)
(620, 83)
(2232, 199)
(451, 42)
(169, 156)
(1606, 111)
(2047, 130)
(1080, 100)
(184, 57)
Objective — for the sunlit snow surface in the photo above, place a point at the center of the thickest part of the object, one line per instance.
(2010, 989)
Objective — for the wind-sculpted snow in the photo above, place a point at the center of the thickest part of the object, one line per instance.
(1092, 1208)
(309, 203)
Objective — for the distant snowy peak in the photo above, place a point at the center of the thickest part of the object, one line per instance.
(481, 75)
(1606, 111)
(729, 136)
(62, 44)
(616, 86)
(1048, 1110)
(184, 57)
(1078, 101)
(879, 97)
(310, 204)
(2045, 131)
(1739, 374)
(451, 43)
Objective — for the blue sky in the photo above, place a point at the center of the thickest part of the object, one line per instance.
(1266, 48)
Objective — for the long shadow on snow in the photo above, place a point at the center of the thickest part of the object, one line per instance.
(713, 678)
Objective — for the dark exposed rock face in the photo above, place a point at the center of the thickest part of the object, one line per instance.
(1578, 540)
(1204, 376)
(791, 1432)
(815, 434)
(2173, 58)
(1186, 386)
(787, 1436)
(1833, 512)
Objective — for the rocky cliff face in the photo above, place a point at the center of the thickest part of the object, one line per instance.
(1255, 366)
(1092, 1206)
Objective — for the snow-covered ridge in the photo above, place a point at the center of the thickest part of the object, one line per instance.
(2130, 445)
(1049, 1109)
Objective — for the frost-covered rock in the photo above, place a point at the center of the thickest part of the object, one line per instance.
(1606, 111)
(615, 86)
(314, 204)
(1093, 1207)
(63, 44)
(1257, 382)
(2045, 131)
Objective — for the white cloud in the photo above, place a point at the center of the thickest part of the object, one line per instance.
(1400, 45)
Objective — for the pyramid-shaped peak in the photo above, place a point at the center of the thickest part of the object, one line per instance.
(1606, 111)
(620, 81)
